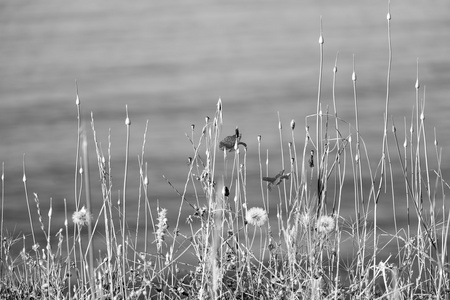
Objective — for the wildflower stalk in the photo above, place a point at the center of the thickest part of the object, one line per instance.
(384, 143)
(319, 91)
(48, 248)
(88, 204)
(140, 161)
(77, 156)
(124, 248)
(1, 222)
(261, 173)
(24, 179)
(68, 271)
(280, 128)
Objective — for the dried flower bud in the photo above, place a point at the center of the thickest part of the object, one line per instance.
(226, 191)
(293, 124)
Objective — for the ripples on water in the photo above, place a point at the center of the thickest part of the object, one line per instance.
(171, 62)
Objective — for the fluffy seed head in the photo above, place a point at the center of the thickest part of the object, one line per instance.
(256, 216)
(325, 224)
(81, 217)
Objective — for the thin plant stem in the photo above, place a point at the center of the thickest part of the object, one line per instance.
(124, 202)
(89, 209)
(2, 219)
(24, 179)
(319, 91)
(77, 156)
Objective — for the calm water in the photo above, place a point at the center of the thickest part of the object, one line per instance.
(171, 62)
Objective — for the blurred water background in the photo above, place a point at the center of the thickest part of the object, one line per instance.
(171, 62)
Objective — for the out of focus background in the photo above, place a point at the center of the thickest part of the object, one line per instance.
(171, 62)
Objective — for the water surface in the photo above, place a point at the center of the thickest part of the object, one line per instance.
(170, 63)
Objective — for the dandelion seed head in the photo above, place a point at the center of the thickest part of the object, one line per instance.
(256, 216)
(325, 224)
(81, 217)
